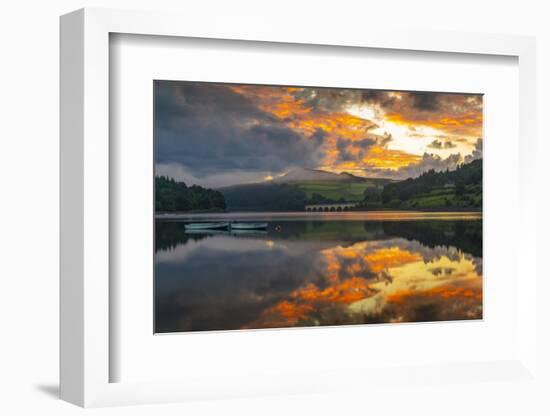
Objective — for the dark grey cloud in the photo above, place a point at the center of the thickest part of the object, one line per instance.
(440, 144)
(328, 99)
(382, 98)
(430, 161)
(477, 153)
(208, 130)
(360, 148)
(410, 103)
(427, 101)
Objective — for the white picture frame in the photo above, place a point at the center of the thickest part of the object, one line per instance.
(85, 219)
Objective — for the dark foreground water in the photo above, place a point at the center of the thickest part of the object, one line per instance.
(318, 269)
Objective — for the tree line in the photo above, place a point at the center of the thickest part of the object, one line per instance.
(171, 196)
(464, 175)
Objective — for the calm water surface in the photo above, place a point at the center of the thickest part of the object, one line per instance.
(318, 269)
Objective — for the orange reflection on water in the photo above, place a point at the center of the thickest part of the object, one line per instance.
(445, 292)
(383, 282)
(384, 258)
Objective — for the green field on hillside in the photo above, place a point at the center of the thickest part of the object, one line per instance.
(350, 192)
(444, 197)
(461, 188)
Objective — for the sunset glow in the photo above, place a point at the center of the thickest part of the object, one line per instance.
(401, 134)
(369, 133)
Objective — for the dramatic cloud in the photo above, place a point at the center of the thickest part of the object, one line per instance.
(456, 114)
(349, 150)
(209, 130)
(429, 162)
(477, 153)
(220, 134)
(437, 144)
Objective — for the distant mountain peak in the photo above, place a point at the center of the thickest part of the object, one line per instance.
(311, 175)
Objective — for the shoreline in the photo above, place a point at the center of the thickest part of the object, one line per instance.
(428, 210)
(382, 215)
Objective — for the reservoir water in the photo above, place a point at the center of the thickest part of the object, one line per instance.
(312, 269)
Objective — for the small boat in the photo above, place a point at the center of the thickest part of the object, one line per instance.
(208, 231)
(206, 225)
(249, 225)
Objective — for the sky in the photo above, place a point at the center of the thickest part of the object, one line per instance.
(217, 135)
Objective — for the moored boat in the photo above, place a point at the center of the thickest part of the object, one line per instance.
(208, 231)
(249, 225)
(206, 225)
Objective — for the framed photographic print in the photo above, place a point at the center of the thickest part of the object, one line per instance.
(276, 213)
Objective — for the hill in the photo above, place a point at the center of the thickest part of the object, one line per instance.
(300, 187)
(264, 197)
(172, 196)
(458, 189)
(321, 186)
(316, 175)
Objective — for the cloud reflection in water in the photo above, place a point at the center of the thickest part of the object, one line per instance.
(320, 274)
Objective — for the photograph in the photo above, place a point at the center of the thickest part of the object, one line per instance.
(280, 206)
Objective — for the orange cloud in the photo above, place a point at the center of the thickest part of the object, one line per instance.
(381, 157)
(294, 112)
(336, 125)
(278, 101)
(454, 114)
(469, 123)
